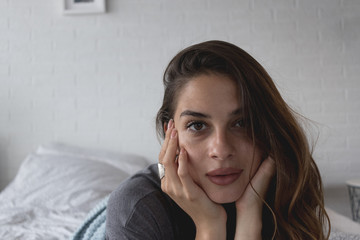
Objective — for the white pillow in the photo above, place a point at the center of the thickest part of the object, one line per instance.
(57, 181)
(55, 189)
(129, 163)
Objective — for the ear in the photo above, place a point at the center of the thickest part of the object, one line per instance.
(165, 126)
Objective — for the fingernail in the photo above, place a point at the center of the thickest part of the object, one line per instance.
(182, 151)
(173, 133)
(170, 123)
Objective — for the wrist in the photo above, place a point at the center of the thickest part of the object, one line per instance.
(249, 225)
(214, 233)
(211, 230)
(249, 232)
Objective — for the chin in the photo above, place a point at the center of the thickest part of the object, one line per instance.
(222, 198)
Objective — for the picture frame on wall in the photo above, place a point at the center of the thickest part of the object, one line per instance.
(83, 6)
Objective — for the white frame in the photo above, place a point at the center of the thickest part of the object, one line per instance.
(93, 6)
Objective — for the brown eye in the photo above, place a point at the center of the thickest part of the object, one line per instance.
(240, 123)
(196, 126)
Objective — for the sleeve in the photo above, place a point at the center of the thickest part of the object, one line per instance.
(146, 219)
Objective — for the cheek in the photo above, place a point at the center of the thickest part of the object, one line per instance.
(188, 142)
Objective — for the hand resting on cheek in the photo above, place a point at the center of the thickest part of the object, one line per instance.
(249, 205)
(210, 217)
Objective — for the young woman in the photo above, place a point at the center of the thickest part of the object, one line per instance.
(235, 163)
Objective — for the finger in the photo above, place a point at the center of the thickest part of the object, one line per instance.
(170, 126)
(263, 176)
(183, 172)
(169, 159)
(168, 130)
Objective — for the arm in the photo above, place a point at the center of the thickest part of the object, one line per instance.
(209, 217)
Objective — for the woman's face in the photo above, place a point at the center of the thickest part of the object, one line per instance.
(211, 128)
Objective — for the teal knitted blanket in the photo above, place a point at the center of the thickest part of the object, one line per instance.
(93, 228)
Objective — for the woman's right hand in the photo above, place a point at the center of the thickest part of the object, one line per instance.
(209, 217)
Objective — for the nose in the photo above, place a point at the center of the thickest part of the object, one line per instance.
(221, 146)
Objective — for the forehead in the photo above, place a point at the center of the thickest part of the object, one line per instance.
(209, 93)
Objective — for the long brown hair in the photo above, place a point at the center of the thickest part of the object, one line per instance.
(295, 196)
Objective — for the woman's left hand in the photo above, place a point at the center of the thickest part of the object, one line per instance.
(249, 205)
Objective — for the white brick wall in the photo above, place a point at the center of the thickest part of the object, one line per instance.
(95, 80)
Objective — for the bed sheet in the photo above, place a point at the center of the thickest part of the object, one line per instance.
(57, 186)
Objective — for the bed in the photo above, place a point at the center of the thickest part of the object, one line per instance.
(58, 185)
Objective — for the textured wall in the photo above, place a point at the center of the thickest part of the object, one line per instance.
(95, 80)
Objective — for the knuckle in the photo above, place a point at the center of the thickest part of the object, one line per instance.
(174, 193)
(161, 155)
(182, 173)
(190, 198)
(168, 189)
(163, 188)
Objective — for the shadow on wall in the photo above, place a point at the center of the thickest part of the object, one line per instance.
(337, 198)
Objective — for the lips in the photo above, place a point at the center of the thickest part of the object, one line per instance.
(224, 176)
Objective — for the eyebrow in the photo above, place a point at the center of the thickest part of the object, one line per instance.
(203, 115)
(194, 114)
